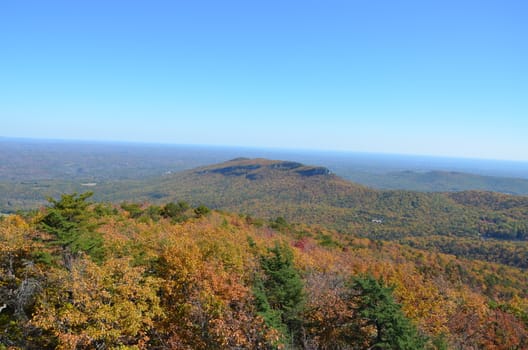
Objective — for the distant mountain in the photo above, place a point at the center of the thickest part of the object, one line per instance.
(312, 194)
(440, 181)
(238, 183)
(257, 186)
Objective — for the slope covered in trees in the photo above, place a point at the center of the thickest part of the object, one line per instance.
(277, 188)
(313, 195)
(98, 276)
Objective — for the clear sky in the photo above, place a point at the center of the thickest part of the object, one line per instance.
(446, 77)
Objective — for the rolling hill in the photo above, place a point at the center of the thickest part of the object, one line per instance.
(483, 225)
(439, 181)
(476, 224)
(268, 188)
(311, 194)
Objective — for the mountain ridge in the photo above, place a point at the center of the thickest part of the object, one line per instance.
(271, 188)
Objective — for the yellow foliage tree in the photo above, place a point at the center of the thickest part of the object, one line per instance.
(94, 306)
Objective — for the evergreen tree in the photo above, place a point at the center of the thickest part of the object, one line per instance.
(68, 220)
(175, 211)
(201, 210)
(279, 294)
(382, 324)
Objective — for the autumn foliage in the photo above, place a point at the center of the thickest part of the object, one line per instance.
(143, 277)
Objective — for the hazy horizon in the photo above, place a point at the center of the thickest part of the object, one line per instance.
(339, 161)
(258, 148)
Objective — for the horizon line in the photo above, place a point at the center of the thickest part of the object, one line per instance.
(267, 148)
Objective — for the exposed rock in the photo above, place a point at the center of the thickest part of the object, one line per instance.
(312, 171)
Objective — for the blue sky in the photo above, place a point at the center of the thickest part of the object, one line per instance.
(416, 77)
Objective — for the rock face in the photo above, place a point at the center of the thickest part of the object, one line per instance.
(255, 169)
(313, 171)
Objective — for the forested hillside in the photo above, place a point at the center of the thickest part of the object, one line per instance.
(279, 188)
(491, 226)
(481, 225)
(81, 275)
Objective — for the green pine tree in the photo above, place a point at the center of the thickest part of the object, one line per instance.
(279, 292)
(382, 324)
(68, 220)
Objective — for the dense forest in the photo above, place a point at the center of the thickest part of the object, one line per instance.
(83, 275)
